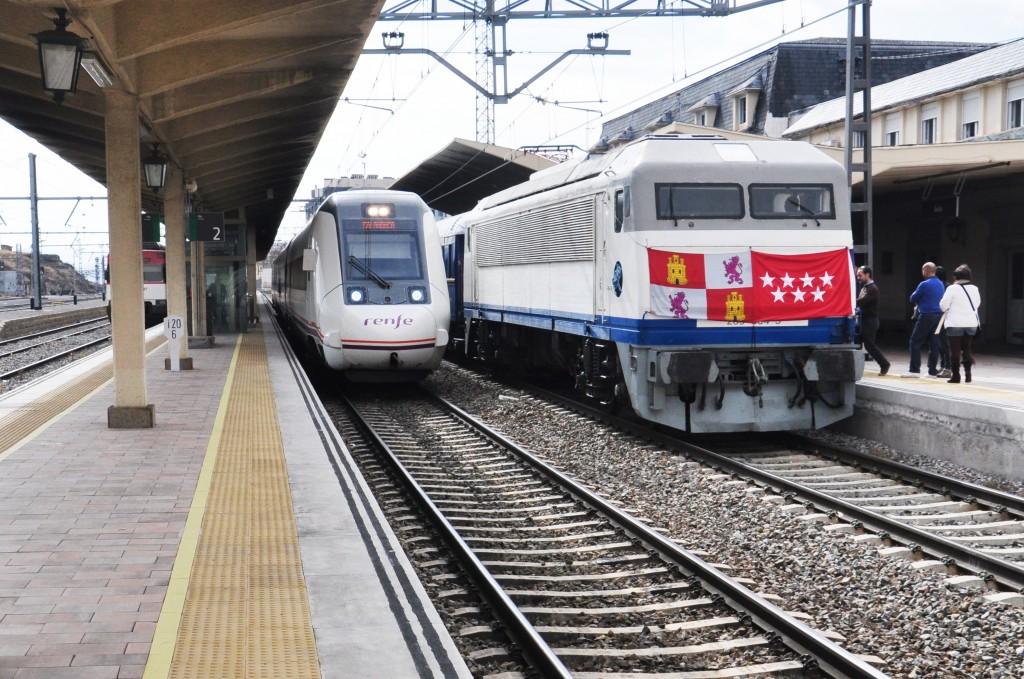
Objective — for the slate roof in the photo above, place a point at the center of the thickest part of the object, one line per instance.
(997, 62)
(796, 75)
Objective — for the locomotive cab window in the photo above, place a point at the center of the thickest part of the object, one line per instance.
(621, 208)
(703, 201)
(792, 201)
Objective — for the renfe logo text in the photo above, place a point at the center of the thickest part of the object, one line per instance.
(393, 322)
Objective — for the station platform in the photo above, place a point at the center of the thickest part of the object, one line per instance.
(233, 539)
(978, 425)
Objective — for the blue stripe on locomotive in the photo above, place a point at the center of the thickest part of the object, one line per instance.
(673, 332)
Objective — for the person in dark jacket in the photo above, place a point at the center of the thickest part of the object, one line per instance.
(867, 302)
(926, 297)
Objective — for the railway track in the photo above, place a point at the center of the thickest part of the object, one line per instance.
(579, 586)
(972, 533)
(25, 357)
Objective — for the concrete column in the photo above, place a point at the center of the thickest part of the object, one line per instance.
(200, 333)
(250, 273)
(124, 209)
(174, 217)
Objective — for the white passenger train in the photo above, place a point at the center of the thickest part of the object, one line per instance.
(363, 286)
(707, 283)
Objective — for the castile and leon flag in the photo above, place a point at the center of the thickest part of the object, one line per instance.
(749, 286)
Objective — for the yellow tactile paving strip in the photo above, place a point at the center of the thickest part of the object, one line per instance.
(19, 426)
(240, 607)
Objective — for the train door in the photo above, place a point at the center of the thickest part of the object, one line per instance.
(602, 271)
(1015, 299)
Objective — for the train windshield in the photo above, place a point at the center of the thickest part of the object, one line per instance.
(381, 255)
(699, 201)
(792, 201)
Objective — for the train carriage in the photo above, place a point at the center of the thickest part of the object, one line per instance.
(363, 286)
(706, 282)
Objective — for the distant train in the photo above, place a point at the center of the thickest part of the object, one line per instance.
(154, 283)
(363, 286)
(708, 283)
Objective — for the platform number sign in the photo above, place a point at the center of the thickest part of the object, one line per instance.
(206, 226)
(174, 331)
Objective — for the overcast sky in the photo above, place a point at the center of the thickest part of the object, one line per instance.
(401, 109)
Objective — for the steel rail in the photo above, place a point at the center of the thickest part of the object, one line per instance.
(1008, 574)
(52, 331)
(532, 645)
(828, 656)
(898, 470)
(50, 359)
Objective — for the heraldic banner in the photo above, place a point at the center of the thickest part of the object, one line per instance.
(750, 286)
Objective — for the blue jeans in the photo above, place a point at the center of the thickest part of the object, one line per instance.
(924, 331)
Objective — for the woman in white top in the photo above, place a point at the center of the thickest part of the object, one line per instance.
(960, 304)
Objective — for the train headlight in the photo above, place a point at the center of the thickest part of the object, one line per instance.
(417, 294)
(378, 210)
(357, 295)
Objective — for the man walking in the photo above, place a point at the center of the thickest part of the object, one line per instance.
(867, 302)
(926, 297)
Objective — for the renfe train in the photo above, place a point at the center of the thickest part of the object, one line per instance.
(706, 282)
(363, 286)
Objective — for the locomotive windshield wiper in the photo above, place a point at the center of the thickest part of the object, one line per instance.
(803, 208)
(367, 271)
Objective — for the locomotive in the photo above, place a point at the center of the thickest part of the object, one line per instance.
(363, 286)
(705, 282)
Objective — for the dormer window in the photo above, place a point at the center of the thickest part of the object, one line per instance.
(705, 111)
(744, 100)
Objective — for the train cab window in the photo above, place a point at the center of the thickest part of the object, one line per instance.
(792, 201)
(703, 201)
(622, 208)
(387, 255)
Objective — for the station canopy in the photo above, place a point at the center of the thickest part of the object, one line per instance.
(455, 178)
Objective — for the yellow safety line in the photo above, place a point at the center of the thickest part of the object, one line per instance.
(29, 421)
(161, 652)
(237, 605)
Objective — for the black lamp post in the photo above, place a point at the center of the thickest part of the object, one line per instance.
(60, 53)
(155, 167)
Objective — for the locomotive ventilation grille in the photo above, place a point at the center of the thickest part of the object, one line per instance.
(560, 233)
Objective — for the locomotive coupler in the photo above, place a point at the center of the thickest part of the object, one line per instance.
(756, 379)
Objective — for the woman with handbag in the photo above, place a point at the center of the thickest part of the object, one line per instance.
(960, 305)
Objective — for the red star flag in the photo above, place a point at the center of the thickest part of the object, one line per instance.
(751, 286)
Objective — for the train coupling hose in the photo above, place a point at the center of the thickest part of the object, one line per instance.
(756, 378)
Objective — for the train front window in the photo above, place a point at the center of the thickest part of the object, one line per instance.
(382, 256)
(699, 201)
(792, 201)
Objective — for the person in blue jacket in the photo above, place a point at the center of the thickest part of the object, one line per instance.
(927, 296)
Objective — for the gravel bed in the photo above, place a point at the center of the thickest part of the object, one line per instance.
(920, 627)
(38, 353)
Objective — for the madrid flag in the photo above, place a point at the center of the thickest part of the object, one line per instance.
(750, 286)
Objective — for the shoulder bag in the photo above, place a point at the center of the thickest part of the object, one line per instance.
(977, 333)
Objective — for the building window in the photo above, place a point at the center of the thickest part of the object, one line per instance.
(858, 139)
(703, 120)
(930, 123)
(971, 115)
(741, 111)
(928, 131)
(893, 123)
(1015, 104)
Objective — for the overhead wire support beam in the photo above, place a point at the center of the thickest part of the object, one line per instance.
(566, 9)
(499, 98)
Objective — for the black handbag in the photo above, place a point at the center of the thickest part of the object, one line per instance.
(977, 331)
